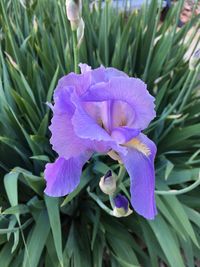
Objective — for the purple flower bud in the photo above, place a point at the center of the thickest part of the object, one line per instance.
(108, 183)
(121, 206)
(121, 202)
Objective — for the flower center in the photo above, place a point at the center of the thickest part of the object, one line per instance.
(111, 114)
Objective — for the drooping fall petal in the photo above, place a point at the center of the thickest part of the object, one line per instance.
(139, 163)
(63, 176)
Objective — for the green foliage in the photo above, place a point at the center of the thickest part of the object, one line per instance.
(35, 50)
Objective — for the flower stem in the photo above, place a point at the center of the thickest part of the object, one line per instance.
(111, 201)
(99, 5)
(99, 202)
(121, 173)
(106, 34)
(181, 191)
(76, 52)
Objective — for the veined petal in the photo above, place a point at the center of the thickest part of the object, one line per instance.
(130, 90)
(87, 128)
(80, 82)
(140, 166)
(62, 103)
(101, 74)
(64, 140)
(112, 72)
(63, 176)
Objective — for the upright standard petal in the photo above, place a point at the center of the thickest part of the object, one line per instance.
(112, 72)
(80, 82)
(130, 90)
(139, 163)
(87, 128)
(63, 176)
(101, 74)
(84, 67)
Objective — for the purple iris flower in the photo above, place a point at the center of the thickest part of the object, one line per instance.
(102, 110)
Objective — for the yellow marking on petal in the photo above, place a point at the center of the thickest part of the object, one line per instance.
(138, 145)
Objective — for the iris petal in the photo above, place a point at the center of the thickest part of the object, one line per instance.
(80, 82)
(130, 90)
(141, 171)
(124, 134)
(63, 176)
(63, 139)
(87, 128)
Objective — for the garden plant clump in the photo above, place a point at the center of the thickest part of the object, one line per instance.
(37, 47)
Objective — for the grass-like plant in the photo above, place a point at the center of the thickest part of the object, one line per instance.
(36, 48)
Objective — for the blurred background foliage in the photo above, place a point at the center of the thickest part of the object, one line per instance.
(35, 51)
